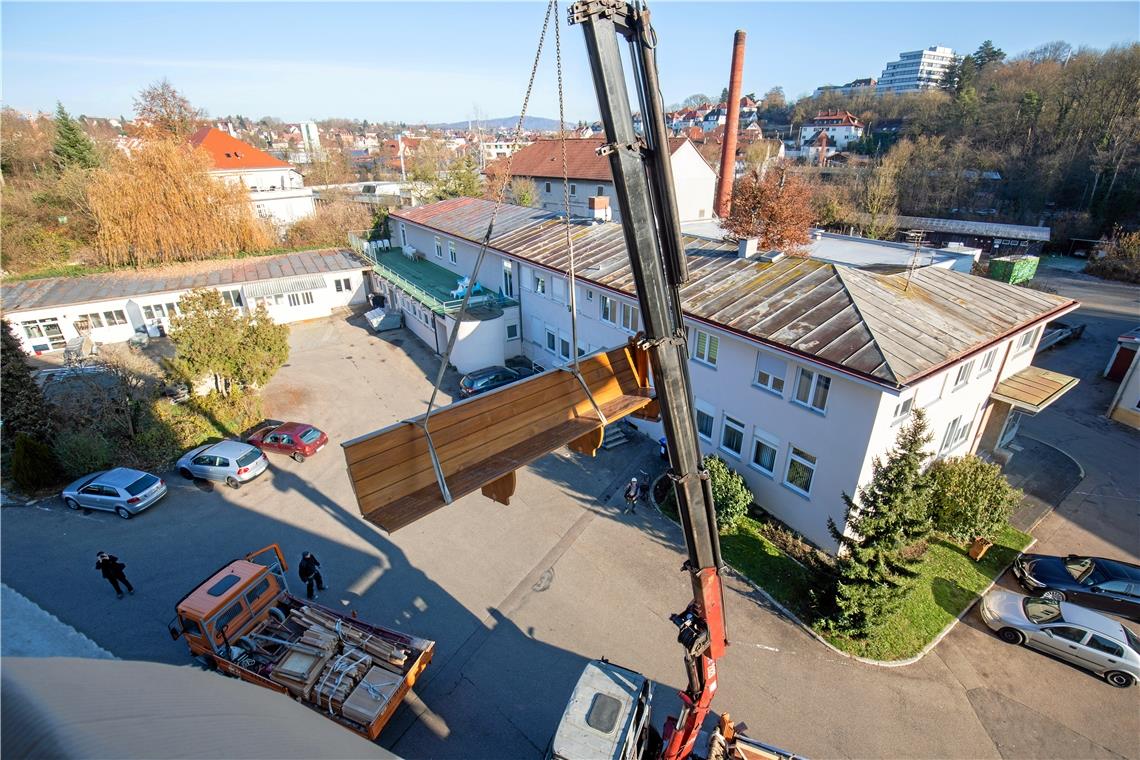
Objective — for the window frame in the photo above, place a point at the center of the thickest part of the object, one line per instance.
(538, 283)
(514, 325)
(709, 411)
(813, 390)
(763, 438)
(770, 386)
(438, 247)
(1026, 340)
(988, 360)
(953, 437)
(451, 254)
(712, 348)
(728, 422)
(796, 458)
(630, 317)
(963, 377)
(897, 416)
(551, 340)
(607, 307)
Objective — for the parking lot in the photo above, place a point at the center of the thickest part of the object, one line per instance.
(518, 597)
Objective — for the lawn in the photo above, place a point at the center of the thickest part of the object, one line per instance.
(948, 582)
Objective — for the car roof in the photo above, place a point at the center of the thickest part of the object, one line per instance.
(292, 428)
(1094, 621)
(487, 371)
(575, 737)
(1119, 569)
(229, 448)
(120, 476)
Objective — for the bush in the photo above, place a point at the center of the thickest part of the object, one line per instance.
(80, 452)
(33, 464)
(731, 496)
(970, 498)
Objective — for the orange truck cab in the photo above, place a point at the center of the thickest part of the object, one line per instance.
(243, 621)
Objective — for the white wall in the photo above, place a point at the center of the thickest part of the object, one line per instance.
(694, 183)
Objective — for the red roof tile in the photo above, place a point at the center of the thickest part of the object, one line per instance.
(229, 153)
(543, 158)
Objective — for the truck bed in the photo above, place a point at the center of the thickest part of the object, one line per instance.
(351, 671)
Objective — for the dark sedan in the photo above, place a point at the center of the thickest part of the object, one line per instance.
(489, 378)
(1103, 584)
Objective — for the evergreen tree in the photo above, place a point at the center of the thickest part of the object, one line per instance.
(72, 145)
(891, 513)
(24, 410)
(462, 180)
(987, 54)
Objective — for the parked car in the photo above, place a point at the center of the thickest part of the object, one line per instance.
(124, 491)
(230, 462)
(1089, 639)
(1103, 584)
(296, 439)
(489, 378)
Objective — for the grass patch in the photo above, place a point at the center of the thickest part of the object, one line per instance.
(948, 582)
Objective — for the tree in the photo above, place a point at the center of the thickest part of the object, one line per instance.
(775, 207)
(879, 192)
(987, 54)
(72, 146)
(24, 411)
(523, 192)
(695, 100)
(164, 110)
(892, 513)
(462, 180)
(263, 347)
(328, 225)
(724, 96)
(970, 498)
(731, 497)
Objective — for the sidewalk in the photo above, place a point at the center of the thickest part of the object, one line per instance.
(1045, 473)
(30, 631)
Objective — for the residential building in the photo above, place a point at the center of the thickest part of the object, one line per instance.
(802, 370)
(493, 150)
(916, 70)
(855, 87)
(111, 308)
(1124, 367)
(276, 190)
(590, 177)
(841, 128)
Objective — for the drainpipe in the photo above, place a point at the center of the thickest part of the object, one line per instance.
(731, 127)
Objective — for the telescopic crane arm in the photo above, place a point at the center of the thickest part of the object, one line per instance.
(643, 182)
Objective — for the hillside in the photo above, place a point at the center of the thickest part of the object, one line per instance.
(533, 123)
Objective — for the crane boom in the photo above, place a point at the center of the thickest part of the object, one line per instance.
(643, 184)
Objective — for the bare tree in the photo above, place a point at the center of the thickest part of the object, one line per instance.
(165, 110)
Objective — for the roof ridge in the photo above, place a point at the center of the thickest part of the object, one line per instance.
(842, 273)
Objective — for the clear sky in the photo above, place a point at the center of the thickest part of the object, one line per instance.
(450, 61)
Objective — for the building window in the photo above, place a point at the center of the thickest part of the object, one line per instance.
(706, 349)
(705, 419)
(963, 375)
(548, 187)
(801, 471)
(116, 317)
(232, 298)
(589, 296)
(297, 299)
(451, 252)
(732, 436)
(601, 190)
(508, 279)
(438, 248)
(512, 331)
(629, 317)
(93, 320)
(403, 234)
(573, 189)
(956, 432)
(539, 284)
(987, 363)
(551, 341)
(902, 409)
(770, 373)
(343, 285)
(812, 390)
(564, 347)
(764, 454)
(1026, 340)
(608, 310)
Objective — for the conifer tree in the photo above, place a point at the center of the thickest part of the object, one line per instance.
(891, 513)
(72, 146)
(24, 410)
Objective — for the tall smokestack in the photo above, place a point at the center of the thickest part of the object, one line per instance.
(731, 127)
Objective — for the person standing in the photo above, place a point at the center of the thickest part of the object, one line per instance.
(309, 570)
(631, 494)
(112, 570)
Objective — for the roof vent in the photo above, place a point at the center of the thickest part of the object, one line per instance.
(746, 248)
(770, 256)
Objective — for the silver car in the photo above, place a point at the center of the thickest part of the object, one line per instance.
(229, 462)
(124, 491)
(1089, 639)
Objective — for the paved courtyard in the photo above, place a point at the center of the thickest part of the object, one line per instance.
(518, 597)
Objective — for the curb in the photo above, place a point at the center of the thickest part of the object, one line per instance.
(866, 660)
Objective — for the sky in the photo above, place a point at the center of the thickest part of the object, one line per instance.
(442, 62)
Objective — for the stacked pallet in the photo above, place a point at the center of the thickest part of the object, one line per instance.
(339, 678)
(386, 653)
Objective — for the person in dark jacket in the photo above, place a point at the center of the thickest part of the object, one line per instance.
(309, 571)
(631, 494)
(112, 570)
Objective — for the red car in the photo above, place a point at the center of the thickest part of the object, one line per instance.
(296, 439)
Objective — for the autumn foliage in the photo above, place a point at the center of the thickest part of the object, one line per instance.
(160, 205)
(775, 207)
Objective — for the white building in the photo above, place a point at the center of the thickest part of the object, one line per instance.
(112, 308)
(589, 176)
(916, 70)
(493, 150)
(856, 87)
(841, 128)
(311, 137)
(276, 190)
(802, 370)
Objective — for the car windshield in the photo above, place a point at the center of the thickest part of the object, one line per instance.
(467, 382)
(1132, 639)
(1083, 570)
(1042, 610)
(140, 485)
(310, 435)
(248, 458)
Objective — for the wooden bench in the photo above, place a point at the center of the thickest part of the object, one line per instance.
(482, 441)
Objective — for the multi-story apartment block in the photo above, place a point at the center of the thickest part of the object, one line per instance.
(916, 70)
(856, 87)
(802, 370)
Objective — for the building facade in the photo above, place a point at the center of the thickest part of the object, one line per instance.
(802, 378)
(840, 128)
(916, 70)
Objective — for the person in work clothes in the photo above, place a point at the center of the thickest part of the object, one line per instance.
(310, 574)
(112, 570)
(631, 493)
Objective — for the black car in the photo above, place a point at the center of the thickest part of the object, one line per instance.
(483, 380)
(1103, 584)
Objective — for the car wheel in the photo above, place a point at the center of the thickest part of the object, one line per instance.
(1118, 679)
(186, 473)
(1011, 636)
(1054, 594)
(71, 503)
(123, 513)
(232, 482)
(298, 456)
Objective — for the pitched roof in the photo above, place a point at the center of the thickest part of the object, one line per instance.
(879, 327)
(543, 158)
(228, 153)
(63, 291)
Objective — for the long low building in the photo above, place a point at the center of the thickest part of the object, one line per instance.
(802, 370)
(110, 308)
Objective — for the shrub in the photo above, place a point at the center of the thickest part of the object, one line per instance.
(33, 464)
(80, 452)
(970, 498)
(731, 496)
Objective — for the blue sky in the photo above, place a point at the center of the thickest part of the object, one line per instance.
(450, 61)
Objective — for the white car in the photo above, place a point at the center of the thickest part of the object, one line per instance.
(229, 462)
(1089, 639)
